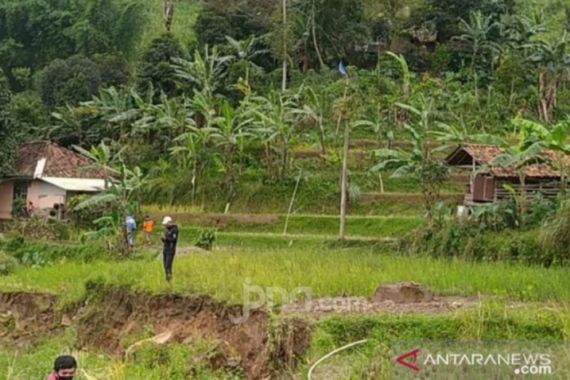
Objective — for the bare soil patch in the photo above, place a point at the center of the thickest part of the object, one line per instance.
(25, 316)
(112, 319)
(361, 305)
(223, 220)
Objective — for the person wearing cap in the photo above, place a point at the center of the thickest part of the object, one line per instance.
(169, 239)
(64, 368)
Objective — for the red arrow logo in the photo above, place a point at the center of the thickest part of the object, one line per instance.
(412, 364)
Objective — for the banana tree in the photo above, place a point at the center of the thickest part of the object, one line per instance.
(315, 108)
(103, 159)
(189, 152)
(554, 140)
(553, 66)
(123, 198)
(228, 129)
(274, 117)
(245, 52)
(418, 161)
(205, 73)
(476, 32)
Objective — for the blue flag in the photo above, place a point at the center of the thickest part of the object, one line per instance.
(342, 69)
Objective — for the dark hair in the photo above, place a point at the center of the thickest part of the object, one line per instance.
(64, 362)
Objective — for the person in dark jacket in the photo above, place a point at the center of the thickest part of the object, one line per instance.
(169, 239)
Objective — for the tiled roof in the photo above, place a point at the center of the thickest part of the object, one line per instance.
(60, 162)
(485, 154)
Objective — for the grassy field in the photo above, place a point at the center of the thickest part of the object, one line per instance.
(327, 272)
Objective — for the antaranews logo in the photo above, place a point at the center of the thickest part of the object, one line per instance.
(501, 360)
(410, 360)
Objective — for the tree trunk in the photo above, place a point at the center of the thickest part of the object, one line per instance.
(522, 179)
(168, 15)
(269, 160)
(315, 42)
(344, 183)
(284, 79)
(285, 168)
(290, 209)
(322, 137)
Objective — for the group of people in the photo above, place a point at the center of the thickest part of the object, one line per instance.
(65, 366)
(169, 238)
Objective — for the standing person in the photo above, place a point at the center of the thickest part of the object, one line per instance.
(131, 227)
(64, 368)
(169, 238)
(148, 228)
(31, 209)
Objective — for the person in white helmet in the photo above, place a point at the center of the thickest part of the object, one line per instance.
(169, 239)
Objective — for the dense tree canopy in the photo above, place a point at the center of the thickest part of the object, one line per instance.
(257, 78)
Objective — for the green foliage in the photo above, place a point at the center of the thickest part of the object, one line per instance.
(7, 263)
(206, 239)
(42, 229)
(8, 130)
(555, 238)
(68, 81)
(38, 253)
(446, 13)
(33, 33)
(84, 218)
(155, 70)
(456, 240)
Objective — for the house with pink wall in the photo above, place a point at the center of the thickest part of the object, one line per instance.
(46, 176)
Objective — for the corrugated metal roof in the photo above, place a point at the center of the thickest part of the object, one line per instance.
(77, 184)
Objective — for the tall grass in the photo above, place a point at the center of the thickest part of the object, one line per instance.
(351, 272)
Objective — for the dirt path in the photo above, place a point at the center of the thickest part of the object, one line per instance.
(306, 236)
(360, 305)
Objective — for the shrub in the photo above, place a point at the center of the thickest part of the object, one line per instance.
(468, 241)
(7, 264)
(555, 236)
(156, 71)
(206, 239)
(68, 81)
(84, 217)
(42, 229)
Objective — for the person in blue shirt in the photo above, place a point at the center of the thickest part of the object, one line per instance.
(131, 227)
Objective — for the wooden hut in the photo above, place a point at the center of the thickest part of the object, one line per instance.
(490, 183)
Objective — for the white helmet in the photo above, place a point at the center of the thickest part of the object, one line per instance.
(167, 220)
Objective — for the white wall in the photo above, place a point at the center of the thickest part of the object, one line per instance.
(44, 195)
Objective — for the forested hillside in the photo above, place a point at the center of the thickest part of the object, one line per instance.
(229, 92)
(339, 174)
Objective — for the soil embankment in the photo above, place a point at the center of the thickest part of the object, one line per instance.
(110, 319)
